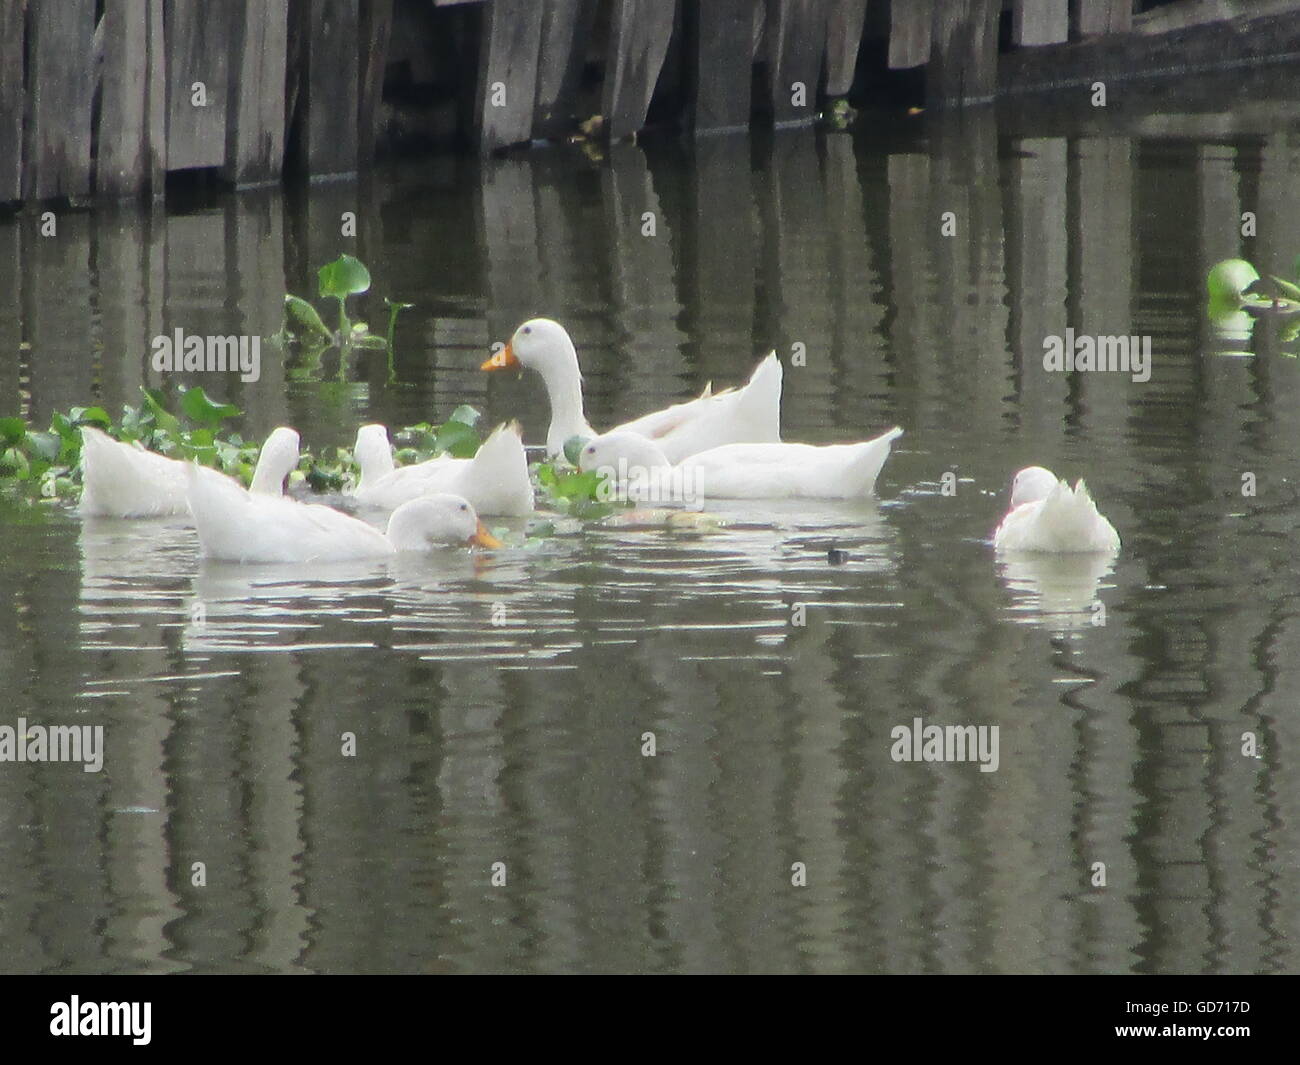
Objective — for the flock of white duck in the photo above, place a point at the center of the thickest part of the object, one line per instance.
(730, 442)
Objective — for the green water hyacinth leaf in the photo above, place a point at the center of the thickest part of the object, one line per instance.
(466, 415)
(97, 416)
(1230, 279)
(167, 422)
(345, 276)
(301, 319)
(1288, 289)
(199, 408)
(457, 439)
(45, 445)
(573, 448)
(12, 431)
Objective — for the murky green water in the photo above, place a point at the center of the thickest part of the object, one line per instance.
(521, 743)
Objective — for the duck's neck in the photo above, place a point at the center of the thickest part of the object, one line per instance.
(563, 382)
(268, 475)
(376, 465)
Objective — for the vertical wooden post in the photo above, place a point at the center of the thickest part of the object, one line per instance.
(964, 52)
(507, 76)
(638, 41)
(909, 33)
(198, 58)
(56, 137)
(566, 25)
(1040, 21)
(719, 35)
(376, 30)
(324, 34)
(255, 120)
(796, 45)
(1105, 16)
(844, 27)
(11, 100)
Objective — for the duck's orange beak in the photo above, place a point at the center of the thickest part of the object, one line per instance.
(484, 538)
(502, 360)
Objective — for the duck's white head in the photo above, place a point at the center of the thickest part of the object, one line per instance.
(539, 344)
(373, 452)
(620, 452)
(1032, 484)
(277, 459)
(437, 519)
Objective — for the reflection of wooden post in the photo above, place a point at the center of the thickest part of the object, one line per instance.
(376, 30)
(57, 314)
(11, 101)
(964, 51)
(129, 268)
(198, 88)
(255, 128)
(255, 235)
(507, 77)
(11, 319)
(844, 28)
(1040, 21)
(911, 228)
(796, 45)
(1105, 16)
(565, 28)
(638, 42)
(56, 140)
(719, 63)
(909, 34)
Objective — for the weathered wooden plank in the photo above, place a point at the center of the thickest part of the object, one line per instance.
(638, 42)
(11, 100)
(198, 59)
(323, 35)
(1198, 12)
(909, 33)
(844, 25)
(796, 45)
(1104, 16)
(964, 52)
(255, 131)
(1040, 21)
(719, 63)
(56, 134)
(11, 318)
(376, 31)
(507, 77)
(131, 151)
(566, 25)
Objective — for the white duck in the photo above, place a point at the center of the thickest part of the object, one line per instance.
(127, 481)
(1047, 515)
(495, 480)
(740, 471)
(750, 414)
(237, 526)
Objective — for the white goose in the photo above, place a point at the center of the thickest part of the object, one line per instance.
(236, 526)
(495, 480)
(127, 481)
(1047, 515)
(750, 414)
(740, 471)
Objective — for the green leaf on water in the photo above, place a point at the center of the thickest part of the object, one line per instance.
(162, 417)
(1230, 278)
(573, 448)
(465, 414)
(345, 276)
(90, 416)
(457, 439)
(45, 445)
(302, 319)
(12, 431)
(199, 408)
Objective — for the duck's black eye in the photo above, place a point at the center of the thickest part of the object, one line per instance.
(527, 329)
(464, 506)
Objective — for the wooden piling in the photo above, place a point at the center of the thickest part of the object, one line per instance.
(566, 25)
(638, 42)
(719, 63)
(255, 126)
(56, 134)
(1105, 16)
(376, 31)
(11, 100)
(198, 57)
(796, 45)
(909, 33)
(129, 158)
(844, 25)
(323, 35)
(507, 77)
(1040, 21)
(964, 52)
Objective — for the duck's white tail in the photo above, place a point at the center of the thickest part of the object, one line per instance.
(125, 482)
(864, 467)
(1069, 521)
(758, 403)
(220, 508)
(497, 479)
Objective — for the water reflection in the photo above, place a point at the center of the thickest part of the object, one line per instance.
(500, 704)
